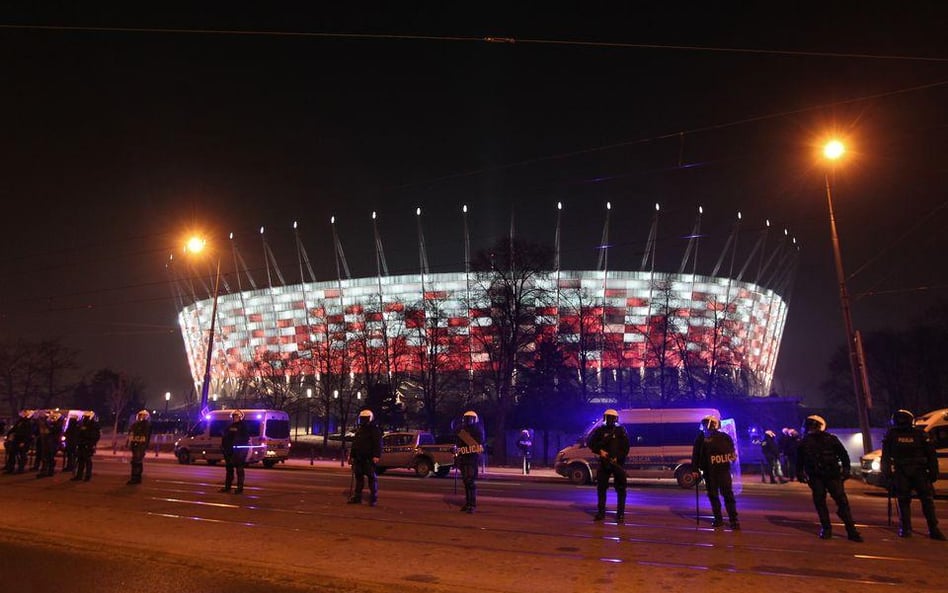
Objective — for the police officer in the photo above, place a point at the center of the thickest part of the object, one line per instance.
(19, 437)
(138, 440)
(235, 444)
(86, 440)
(365, 454)
(525, 444)
(909, 463)
(70, 439)
(469, 443)
(712, 454)
(771, 453)
(610, 443)
(50, 433)
(823, 464)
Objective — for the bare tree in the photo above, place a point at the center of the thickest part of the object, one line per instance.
(509, 284)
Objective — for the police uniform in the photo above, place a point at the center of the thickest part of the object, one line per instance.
(771, 453)
(469, 443)
(50, 432)
(610, 443)
(19, 437)
(366, 450)
(910, 463)
(139, 439)
(712, 453)
(234, 446)
(823, 463)
(86, 440)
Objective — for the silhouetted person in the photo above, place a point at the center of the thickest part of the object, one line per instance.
(86, 441)
(712, 454)
(823, 464)
(910, 464)
(364, 456)
(234, 445)
(610, 443)
(469, 442)
(139, 438)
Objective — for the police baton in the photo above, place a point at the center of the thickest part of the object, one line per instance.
(697, 510)
(889, 506)
(352, 479)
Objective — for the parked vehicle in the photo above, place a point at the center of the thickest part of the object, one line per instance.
(935, 424)
(415, 450)
(269, 437)
(661, 443)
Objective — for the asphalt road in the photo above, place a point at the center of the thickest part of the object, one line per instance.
(291, 531)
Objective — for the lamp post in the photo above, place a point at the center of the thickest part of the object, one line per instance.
(167, 401)
(833, 151)
(196, 245)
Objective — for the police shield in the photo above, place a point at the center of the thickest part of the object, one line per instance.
(730, 428)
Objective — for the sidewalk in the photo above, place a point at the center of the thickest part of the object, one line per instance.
(301, 463)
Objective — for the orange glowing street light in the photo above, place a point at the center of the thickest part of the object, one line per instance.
(833, 150)
(196, 245)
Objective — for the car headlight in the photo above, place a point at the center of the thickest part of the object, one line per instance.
(877, 464)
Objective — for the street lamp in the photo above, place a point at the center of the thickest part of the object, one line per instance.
(196, 245)
(833, 151)
(167, 400)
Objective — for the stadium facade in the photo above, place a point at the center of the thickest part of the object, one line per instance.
(618, 321)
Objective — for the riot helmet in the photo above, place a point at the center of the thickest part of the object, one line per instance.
(814, 423)
(88, 415)
(610, 417)
(902, 419)
(365, 417)
(142, 415)
(710, 423)
(770, 433)
(470, 417)
(237, 415)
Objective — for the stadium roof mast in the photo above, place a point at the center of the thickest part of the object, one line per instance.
(650, 243)
(693, 239)
(381, 266)
(271, 260)
(302, 256)
(556, 258)
(422, 252)
(467, 282)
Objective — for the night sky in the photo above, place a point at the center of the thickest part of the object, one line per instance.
(122, 131)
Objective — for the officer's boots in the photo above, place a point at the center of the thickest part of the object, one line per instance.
(826, 531)
(905, 518)
(928, 508)
(600, 506)
(851, 532)
(620, 509)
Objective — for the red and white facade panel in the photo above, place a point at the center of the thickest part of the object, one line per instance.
(742, 322)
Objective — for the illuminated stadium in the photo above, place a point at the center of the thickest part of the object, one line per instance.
(612, 323)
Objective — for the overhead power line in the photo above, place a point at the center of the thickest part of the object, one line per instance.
(486, 39)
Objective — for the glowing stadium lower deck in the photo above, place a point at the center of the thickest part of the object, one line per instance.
(627, 320)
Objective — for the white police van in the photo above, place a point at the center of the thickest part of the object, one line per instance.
(269, 437)
(660, 446)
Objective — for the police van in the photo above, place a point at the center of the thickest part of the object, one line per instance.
(269, 437)
(935, 425)
(660, 446)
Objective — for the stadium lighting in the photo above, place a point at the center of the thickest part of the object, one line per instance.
(833, 151)
(196, 246)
